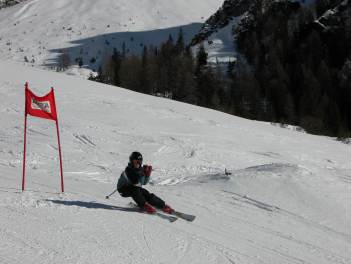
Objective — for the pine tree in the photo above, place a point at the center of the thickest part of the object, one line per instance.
(201, 58)
(124, 51)
(180, 46)
(145, 81)
(130, 73)
(64, 60)
(116, 65)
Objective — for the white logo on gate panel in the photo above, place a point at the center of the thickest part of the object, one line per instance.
(44, 105)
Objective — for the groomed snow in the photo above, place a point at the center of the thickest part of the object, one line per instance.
(286, 201)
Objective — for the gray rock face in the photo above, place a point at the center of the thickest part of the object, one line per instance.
(229, 10)
(336, 17)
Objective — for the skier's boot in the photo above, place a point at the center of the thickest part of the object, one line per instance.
(149, 209)
(167, 209)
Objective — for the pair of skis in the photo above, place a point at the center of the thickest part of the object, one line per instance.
(170, 217)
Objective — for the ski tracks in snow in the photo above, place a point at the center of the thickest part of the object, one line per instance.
(273, 233)
(288, 227)
(84, 139)
(230, 228)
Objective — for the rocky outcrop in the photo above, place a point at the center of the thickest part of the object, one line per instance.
(339, 16)
(229, 10)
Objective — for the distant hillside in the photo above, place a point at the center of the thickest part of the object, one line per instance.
(38, 32)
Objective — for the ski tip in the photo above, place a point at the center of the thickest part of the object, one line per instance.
(187, 217)
(190, 219)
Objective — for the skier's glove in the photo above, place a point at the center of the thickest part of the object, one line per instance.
(147, 170)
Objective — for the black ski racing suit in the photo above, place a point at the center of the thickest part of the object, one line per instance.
(130, 185)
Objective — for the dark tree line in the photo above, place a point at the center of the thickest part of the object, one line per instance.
(170, 70)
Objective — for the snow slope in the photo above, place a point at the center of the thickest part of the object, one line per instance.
(286, 201)
(40, 29)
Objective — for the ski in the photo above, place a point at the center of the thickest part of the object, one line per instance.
(184, 216)
(167, 217)
(170, 218)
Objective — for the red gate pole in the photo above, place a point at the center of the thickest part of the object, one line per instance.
(25, 138)
(59, 147)
(24, 152)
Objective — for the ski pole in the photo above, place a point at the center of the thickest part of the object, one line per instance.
(108, 196)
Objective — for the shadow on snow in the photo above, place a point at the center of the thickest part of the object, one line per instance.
(94, 50)
(93, 205)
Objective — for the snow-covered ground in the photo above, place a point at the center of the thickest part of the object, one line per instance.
(286, 201)
(40, 29)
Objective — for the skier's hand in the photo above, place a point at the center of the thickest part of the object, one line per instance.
(147, 170)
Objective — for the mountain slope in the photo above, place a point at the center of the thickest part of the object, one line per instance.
(38, 29)
(218, 32)
(286, 201)
(293, 61)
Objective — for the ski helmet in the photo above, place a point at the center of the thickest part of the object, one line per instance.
(136, 156)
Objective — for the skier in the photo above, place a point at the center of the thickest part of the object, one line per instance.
(130, 185)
